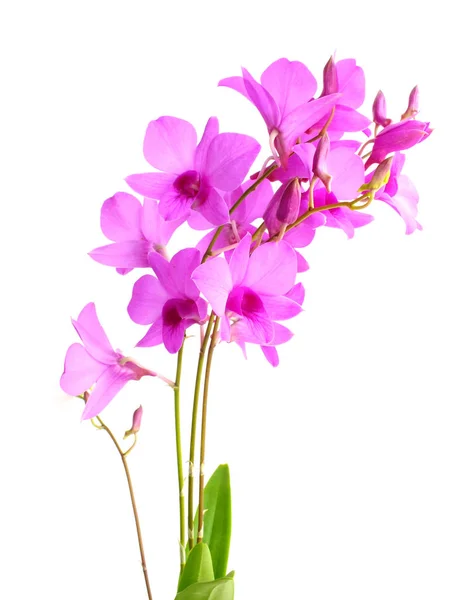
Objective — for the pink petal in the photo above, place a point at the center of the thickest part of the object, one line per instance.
(230, 156)
(262, 100)
(81, 371)
(213, 279)
(289, 83)
(93, 335)
(272, 269)
(121, 217)
(169, 144)
(108, 385)
(154, 228)
(211, 131)
(147, 300)
(297, 293)
(345, 118)
(351, 83)
(302, 264)
(302, 235)
(282, 334)
(254, 205)
(123, 254)
(181, 268)
(271, 354)
(151, 185)
(347, 171)
(214, 208)
(239, 260)
(280, 308)
(153, 337)
(161, 267)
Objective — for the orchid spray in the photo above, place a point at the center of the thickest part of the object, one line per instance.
(238, 282)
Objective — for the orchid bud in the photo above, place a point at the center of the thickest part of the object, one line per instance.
(289, 205)
(319, 166)
(136, 425)
(413, 104)
(379, 110)
(380, 176)
(330, 79)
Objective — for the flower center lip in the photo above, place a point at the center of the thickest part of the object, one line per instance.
(187, 184)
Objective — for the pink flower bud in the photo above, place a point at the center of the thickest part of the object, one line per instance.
(319, 166)
(380, 176)
(379, 110)
(136, 425)
(330, 79)
(289, 205)
(413, 104)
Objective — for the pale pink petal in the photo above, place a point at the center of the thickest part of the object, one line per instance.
(351, 82)
(289, 83)
(302, 235)
(302, 264)
(239, 260)
(347, 171)
(225, 329)
(281, 334)
(169, 144)
(81, 371)
(213, 279)
(198, 222)
(93, 335)
(161, 267)
(271, 354)
(230, 156)
(121, 217)
(235, 83)
(280, 308)
(154, 228)
(213, 208)
(147, 300)
(126, 255)
(211, 130)
(255, 204)
(151, 185)
(272, 269)
(181, 268)
(262, 100)
(153, 337)
(297, 293)
(345, 118)
(108, 385)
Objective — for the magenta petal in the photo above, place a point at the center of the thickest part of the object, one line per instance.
(108, 385)
(235, 83)
(153, 337)
(93, 335)
(262, 100)
(81, 371)
(351, 83)
(280, 308)
(255, 204)
(162, 270)
(151, 185)
(297, 293)
(302, 263)
(289, 83)
(272, 269)
(347, 171)
(225, 329)
(214, 208)
(213, 279)
(302, 235)
(211, 131)
(230, 156)
(174, 206)
(120, 218)
(348, 119)
(147, 300)
(239, 260)
(126, 255)
(170, 144)
(154, 228)
(281, 334)
(271, 354)
(181, 268)
(177, 316)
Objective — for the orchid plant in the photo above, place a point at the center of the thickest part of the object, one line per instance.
(237, 283)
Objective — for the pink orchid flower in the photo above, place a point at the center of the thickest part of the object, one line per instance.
(251, 288)
(285, 100)
(169, 302)
(193, 176)
(396, 137)
(136, 231)
(96, 362)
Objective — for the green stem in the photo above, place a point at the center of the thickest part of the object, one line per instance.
(198, 381)
(201, 487)
(133, 503)
(176, 393)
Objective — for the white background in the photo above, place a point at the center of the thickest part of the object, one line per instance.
(340, 457)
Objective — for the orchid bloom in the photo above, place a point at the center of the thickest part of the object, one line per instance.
(193, 176)
(251, 288)
(285, 100)
(169, 302)
(396, 137)
(400, 194)
(96, 362)
(136, 231)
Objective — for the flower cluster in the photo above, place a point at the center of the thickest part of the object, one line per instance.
(325, 163)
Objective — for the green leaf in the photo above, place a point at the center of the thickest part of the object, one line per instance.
(231, 574)
(198, 567)
(220, 589)
(217, 519)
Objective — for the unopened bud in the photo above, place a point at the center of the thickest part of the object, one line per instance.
(380, 176)
(379, 110)
(136, 425)
(319, 166)
(413, 104)
(289, 205)
(330, 79)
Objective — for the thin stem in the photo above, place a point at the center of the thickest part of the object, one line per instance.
(198, 381)
(133, 503)
(201, 486)
(238, 202)
(176, 393)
